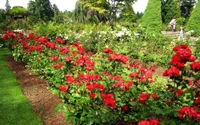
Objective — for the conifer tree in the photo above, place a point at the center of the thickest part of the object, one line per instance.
(151, 19)
(194, 20)
(7, 6)
(170, 10)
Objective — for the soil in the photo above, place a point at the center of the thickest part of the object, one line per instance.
(41, 99)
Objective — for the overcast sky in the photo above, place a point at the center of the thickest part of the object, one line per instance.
(68, 4)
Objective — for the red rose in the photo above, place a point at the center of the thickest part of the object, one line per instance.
(124, 108)
(63, 88)
(154, 96)
(144, 122)
(143, 97)
(92, 95)
(154, 122)
(179, 92)
(195, 66)
(173, 71)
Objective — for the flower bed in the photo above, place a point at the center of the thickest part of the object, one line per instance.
(108, 87)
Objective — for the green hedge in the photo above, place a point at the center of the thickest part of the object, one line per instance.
(194, 20)
(151, 19)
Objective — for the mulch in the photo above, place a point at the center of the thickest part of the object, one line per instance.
(41, 99)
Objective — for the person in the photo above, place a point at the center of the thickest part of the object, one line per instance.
(172, 24)
(181, 33)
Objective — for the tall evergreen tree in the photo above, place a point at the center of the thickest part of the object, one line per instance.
(151, 19)
(186, 7)
(7, 6)
(56, 10)
(170, 10)
(44, 9)
(194, 20)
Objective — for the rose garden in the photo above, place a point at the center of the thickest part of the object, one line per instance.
(108, 73)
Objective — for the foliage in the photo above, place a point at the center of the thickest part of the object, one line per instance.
(86, 12)
(42, 9)
(7, 6)
(170, 10)
(151, 19)
(186, 7)
(108, 86)
(2, 15)
(17, 10)
(127, 14)
(194, 20)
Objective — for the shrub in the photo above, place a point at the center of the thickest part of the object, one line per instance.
(194, 20)
(109, 87)
(151, 19)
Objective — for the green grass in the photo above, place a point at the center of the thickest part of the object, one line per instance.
(14, 106)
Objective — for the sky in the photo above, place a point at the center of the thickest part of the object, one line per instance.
(68, 4)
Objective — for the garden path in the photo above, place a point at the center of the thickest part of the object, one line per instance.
(40, 98)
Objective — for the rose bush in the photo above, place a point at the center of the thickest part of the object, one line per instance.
(109, 87)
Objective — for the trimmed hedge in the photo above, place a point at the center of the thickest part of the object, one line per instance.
(194, 20)
(151, 19)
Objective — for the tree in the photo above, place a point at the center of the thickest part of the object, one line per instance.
(44, 9)
(127, 14)
(7, 6)
(186, 7)
(55, 10)
(2, 15)
(194, 20)
(170, 10)
(151, 19)
(139, 15)
(88, 11)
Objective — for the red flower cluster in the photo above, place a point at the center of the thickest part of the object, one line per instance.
(84, 60)
(63, 88)
(143, 74)
(154, 96)
(183, 54)
(188, 112)
(125, 86)
(108, 50)
(42, 40)
(124, 108)
(60, 40)
(89, 77)
(58, 66)
(68, 59)
(91, 86)
(64, 50)
(50, 45)
(54, 58)
(8, 35)
(195, 66)
(92, 95)
(80, 48)
(108, 100)
(118, 57)
(70, 79)
(143, 97)
(150, 122)
(34, 48)
(179, 92)
(173, 71)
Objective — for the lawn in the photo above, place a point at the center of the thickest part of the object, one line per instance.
(14, 106)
